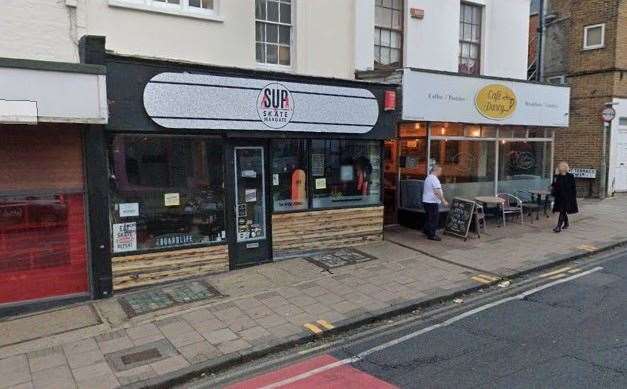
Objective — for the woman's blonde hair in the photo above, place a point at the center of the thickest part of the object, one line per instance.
(564, 163)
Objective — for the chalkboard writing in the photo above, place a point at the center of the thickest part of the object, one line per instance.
(459, 217)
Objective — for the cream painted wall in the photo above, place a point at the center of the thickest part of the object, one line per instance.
(433, 42)
(39, 29)
(323, 35)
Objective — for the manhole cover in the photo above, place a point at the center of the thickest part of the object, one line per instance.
(141, 356)
(133, 357)
(139, 303)
(338, 258)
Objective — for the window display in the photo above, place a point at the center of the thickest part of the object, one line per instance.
(289, 175)
(166, 192)
(345, 173)
(524, 166)
(250, 193)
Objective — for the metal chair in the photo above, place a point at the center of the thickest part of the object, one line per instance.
(512, 205)
(529, 203)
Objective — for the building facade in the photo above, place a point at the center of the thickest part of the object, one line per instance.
(273, 151)
(585, 48)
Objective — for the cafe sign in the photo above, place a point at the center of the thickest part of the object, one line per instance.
(496, 101)
(450, 97)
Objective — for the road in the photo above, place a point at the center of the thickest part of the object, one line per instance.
(566, 329)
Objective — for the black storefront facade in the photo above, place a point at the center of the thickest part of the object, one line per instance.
(211, 169)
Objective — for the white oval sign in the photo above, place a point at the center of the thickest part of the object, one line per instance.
(275, 105)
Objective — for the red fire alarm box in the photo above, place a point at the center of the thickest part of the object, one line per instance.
(389, 103)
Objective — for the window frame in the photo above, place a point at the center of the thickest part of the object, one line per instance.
(291, 25)
(561, 78)
(182, 9)
(391, 29)
(462, 41)
(601, 45)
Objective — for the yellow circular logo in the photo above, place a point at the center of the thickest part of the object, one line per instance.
(496, 102)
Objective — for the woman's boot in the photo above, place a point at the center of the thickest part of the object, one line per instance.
(557, 229)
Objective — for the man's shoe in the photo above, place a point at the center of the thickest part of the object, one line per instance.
(436, 238)
(557, 229)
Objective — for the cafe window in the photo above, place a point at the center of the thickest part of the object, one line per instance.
(470, 38)
(345, 173)
(166, 192)
(467, 166)
(289, 175)
(388, 32)
(413, 150)
(273, 31)
(524, 166)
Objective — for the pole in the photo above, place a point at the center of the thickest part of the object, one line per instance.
(603, 177)
(540, 48)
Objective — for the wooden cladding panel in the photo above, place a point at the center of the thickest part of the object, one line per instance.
(145, 269)
(316, 230)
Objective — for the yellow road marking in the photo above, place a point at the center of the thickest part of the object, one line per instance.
(555, 277)
(575, 270)
(551, 273)
(326, 324)
(587, 247)
(313, 328)
(484, 279)
(481, 280)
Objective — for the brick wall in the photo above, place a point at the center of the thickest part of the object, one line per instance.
(591, 74)
(38, 29)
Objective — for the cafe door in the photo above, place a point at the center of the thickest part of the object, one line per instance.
(247, 210)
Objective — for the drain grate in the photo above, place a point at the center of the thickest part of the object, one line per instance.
(145, 354)
(139, 303)
(337, 258)
(141, 356)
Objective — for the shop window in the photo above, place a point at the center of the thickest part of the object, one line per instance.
(594, 37)
(470, 38)
(289, 175)
(273, 31)
(413, 130)
(388, 33)
(467, 166)
(345, 173)
(447, 129)
(524, 166)
(413, 158)
(42, 214)
(166, 192)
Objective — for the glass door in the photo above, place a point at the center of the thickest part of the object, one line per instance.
(249, 213)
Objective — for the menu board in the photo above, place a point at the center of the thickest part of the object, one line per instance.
(459, 217)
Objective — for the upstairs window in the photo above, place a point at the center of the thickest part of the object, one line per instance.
(594, 36)
(273, 32)
(388, 33)
(470, 38)
(200, 9)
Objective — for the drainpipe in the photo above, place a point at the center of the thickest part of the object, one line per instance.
(540, 48)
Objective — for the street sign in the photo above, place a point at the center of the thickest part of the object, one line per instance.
(584, 173)
(608, 114)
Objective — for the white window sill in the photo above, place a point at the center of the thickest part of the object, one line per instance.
(274, 68)
(200, 14)
(595, 47)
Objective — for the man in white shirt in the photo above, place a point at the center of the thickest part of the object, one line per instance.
(432, 197)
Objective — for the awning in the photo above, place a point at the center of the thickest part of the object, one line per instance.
(52, 92)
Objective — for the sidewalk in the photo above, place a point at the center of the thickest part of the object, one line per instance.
(156, 334)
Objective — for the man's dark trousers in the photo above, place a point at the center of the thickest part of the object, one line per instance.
(432, 216)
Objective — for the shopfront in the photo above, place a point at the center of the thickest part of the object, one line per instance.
(489, 135)
(44, 239)
(214, 169)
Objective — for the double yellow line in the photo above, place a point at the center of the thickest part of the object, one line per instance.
(319, 326)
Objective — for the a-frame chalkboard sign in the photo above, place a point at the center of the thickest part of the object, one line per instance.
(460, 215)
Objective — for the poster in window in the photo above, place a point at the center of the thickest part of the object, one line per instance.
(317, 165)
(321, 183)
(172, 199)
(250, 195)
(346, 173)
(129, 209)
(124, 237)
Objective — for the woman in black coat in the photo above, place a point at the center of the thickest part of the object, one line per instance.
(564, 190)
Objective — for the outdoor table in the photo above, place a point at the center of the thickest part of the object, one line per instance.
(538, 194)
(493, 201)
